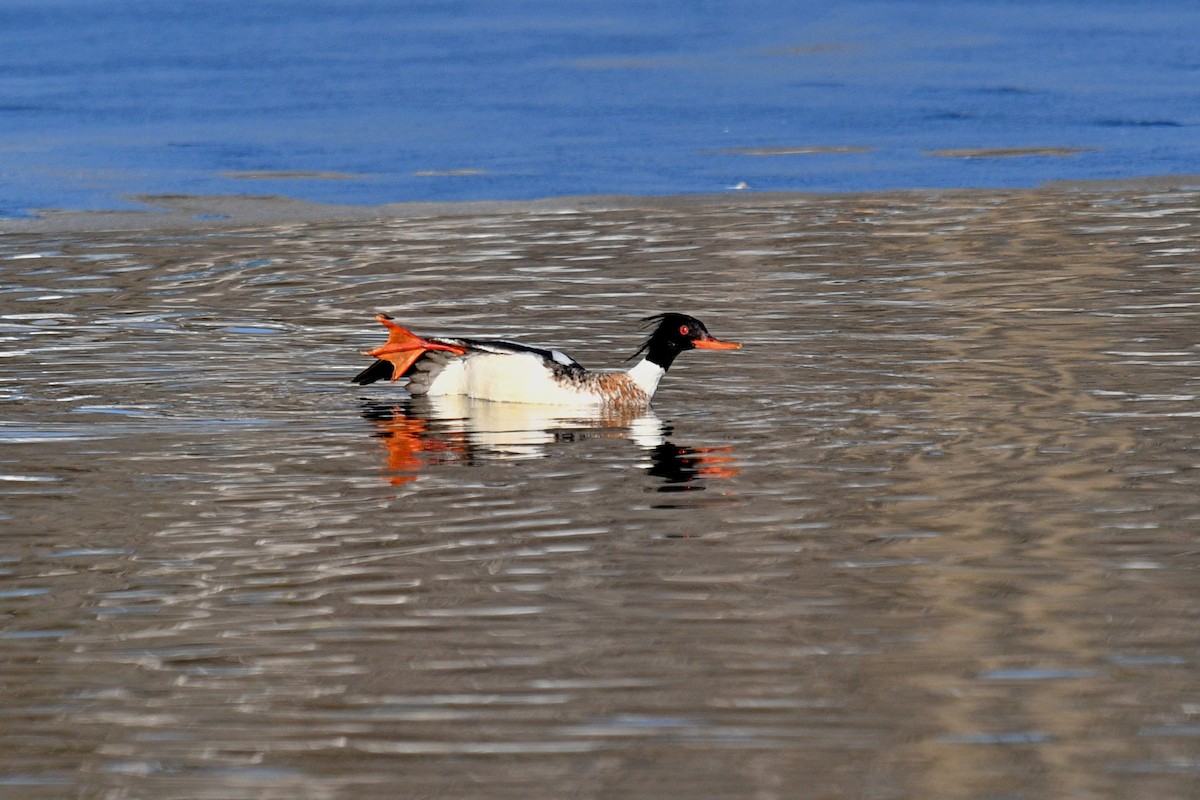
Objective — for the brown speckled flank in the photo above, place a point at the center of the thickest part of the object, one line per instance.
(616, 390)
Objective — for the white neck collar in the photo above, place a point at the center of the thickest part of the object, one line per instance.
(646, 374)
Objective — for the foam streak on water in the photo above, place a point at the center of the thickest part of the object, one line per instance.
(930, 533)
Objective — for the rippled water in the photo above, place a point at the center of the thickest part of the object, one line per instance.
(930, 533)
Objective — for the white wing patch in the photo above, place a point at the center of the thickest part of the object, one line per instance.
(562, 358)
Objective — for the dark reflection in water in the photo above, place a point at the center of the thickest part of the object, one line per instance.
(931, 533)
(685, 468)
(418, 433)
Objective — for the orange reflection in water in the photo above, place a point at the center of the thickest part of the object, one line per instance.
(405, 438)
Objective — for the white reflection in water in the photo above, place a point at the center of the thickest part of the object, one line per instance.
(418, 433)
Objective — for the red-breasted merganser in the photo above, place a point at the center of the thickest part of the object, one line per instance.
(516, 373)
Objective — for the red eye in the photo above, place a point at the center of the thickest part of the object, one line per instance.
(684, 330)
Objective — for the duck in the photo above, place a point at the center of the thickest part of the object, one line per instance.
(504, 371)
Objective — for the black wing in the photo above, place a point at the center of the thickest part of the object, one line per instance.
(557, 359)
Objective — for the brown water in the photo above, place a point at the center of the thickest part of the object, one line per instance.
(931, 533)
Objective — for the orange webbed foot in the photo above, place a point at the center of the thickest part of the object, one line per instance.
(404, 347)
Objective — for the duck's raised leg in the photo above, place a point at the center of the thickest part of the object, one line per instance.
(402, 349)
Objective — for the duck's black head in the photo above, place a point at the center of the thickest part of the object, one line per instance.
(673, 333)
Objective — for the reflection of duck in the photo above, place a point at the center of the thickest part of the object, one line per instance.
(445, 430)
(514, 373)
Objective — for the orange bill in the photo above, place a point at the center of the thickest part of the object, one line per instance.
(716, 344)
(404, 347)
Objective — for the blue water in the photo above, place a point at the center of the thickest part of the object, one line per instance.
(371, 101)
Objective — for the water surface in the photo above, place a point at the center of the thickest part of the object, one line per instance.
(371, 101)
(930, 533)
